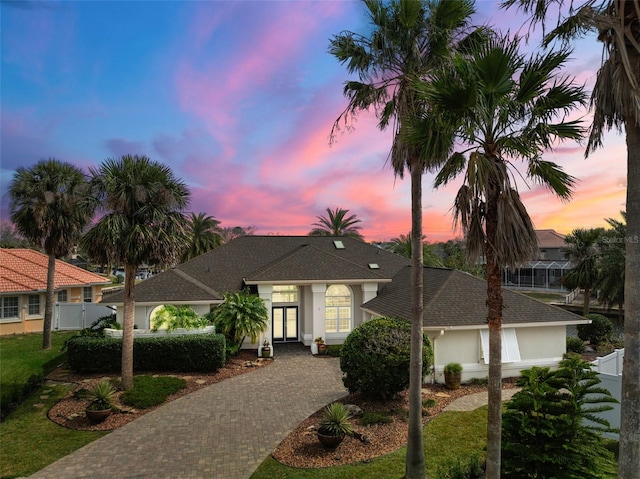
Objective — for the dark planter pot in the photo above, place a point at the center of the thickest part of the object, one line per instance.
(97, 416)
(322, 349)
(266, 352)
(452, 380)
(330, 442)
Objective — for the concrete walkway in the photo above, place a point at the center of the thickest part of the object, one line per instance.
(223, 431)
(474, 401)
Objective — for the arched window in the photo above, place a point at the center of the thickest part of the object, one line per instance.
(338, 309)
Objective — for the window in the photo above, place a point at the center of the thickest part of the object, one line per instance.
(284, 294)
(510, 348)
(338, 309)
(34, 304)
(9, 307)
(62, 296)
(87, 294)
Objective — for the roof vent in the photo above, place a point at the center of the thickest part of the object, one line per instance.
(374, 266)
(338, 244)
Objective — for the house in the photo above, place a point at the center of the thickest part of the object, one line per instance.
(312, 285)
(23, 287)
(544, 272)
(455, 319)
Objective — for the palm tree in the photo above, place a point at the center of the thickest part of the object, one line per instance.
(337, 223)
(616, 104)
(142, 223)
(507, 108)
(48, 208)
(582, 252)
(406, 40)
(402, 246)
(611, 267)
(204, 235)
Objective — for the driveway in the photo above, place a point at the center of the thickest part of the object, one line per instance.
(222, 431)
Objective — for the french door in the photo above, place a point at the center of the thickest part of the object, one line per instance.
(285, 323)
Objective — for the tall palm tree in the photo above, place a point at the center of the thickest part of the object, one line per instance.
(204, 235)
(611, 265)
(582, 252)
(616, 104)
(406, 39)
(337, 223)
(507, 108)
(49, 208)
(403, 247)
(142, 223)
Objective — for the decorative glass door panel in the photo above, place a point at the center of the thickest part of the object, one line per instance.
(285, 323)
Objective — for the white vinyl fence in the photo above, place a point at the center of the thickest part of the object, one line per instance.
(609, 370)
(76, 316)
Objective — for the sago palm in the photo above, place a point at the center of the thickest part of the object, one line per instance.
(49, 207)
(337, 223)
(142, 202)
(507, 108)
(404, 41)
(616, 104)
(204, 234)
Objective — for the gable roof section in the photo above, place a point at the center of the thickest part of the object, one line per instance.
(274, 258)
(25, 270)
(456, 299)
(550, 239)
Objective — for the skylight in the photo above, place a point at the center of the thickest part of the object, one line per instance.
(374, 266)
(338, 244)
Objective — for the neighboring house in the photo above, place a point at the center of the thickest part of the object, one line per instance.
(312, 285)
(546, 271)
(23, 287)
(455, 318)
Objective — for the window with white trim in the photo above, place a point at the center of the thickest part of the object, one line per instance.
(510, 348)
(34, 305)
(284, 293)
(62, 296)
(9, 307)
(87, 294)
(338, 309)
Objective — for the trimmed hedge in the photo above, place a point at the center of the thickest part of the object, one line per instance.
(198, 352)
(375, 357)
(599, 331)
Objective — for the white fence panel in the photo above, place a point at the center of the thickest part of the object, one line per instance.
(76, 316)
(610, 372)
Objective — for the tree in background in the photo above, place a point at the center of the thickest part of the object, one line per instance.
(611, 267)
(582, 252)
(11, 238)
(49, 208)
(616, 104)
(204, 235)
(229, 233)
(143, 223)
(337, 223)
(402, 246)
(404, 41)
(454, 256)
(508, 108)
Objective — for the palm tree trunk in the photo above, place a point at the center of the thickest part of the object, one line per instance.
(127, 326)
(629, 462)
(48, 304)
(586, 301)
(415, 465)
(494, 319)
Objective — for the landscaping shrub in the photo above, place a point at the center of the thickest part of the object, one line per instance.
(376, 417)
(575, 345)
(199, 352)
(334, 350)
(600, 330)
(375, 357)
(240, 315)
(471, 468)
(148, 391)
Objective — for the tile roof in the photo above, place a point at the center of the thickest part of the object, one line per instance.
(23, 270)
(550, 239)
(272, 258)
(457, 299)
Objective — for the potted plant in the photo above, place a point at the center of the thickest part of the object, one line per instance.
(322, 347)
(335, 425)
(452, 375)
(101, 396)
(266, 349)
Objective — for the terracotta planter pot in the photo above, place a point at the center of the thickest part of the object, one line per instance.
(97, 416)
(330, 442)
(322, 349)
(452, 380)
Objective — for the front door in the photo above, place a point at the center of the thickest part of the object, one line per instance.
(285, 323)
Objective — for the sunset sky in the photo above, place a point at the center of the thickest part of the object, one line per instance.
(239, 98)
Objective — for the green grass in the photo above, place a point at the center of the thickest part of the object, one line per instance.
(151, 391)
(545, 297)
(30, 441)
(449, 436)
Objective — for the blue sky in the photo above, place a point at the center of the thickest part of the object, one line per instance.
(239, 97)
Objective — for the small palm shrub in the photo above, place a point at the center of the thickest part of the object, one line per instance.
(174, 317)
(336, 421)
(240, 315)
(375, 357)
(599, 331)
(575, 345)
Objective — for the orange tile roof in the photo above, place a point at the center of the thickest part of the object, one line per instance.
(26, 270)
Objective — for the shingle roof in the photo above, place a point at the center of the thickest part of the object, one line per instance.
(457, 299)
(550, 239)
(23, 270)
(251, 259)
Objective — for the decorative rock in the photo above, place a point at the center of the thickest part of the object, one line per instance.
(46, 391)
(186, 378)
(44, 396)
(311, 428)
(443, 395)
(354, 410)
(200, 381)
(338, 458)
(38, 405)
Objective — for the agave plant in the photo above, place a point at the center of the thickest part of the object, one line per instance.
(102, 396)
(336, 421)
